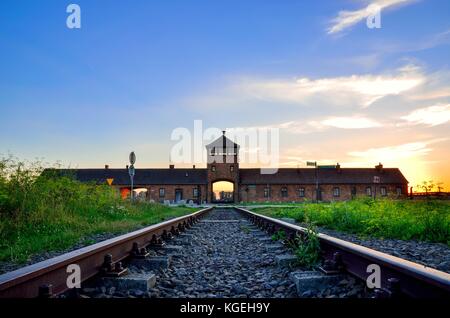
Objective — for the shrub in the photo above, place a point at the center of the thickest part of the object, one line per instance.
(384, 218)
(52, 211)
(307, 247)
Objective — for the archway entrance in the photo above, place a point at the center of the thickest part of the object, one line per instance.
(222, 192)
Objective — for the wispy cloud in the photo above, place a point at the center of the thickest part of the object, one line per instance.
(346, 19)
(364, 89)
(436, 89)
(398, 152)
(430, 41)
(321, 124)
(432, 115)
(350, 122)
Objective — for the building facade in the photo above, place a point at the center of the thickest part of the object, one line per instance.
(250, 185)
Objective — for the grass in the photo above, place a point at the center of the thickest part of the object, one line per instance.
(250, 204)
(396, 219)
(307, 248)
(279, 236)
(48, 212)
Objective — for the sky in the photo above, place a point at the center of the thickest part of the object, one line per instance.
(338, 90)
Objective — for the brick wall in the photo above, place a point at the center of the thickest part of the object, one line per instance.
(187, 192)
(255, 193)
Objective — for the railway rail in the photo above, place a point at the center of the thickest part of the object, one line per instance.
(48, 278)
(399, 278)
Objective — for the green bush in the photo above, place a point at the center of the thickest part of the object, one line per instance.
(307, 247)
(49, 211)
(399, 219)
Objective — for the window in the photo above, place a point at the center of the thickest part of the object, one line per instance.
(383, 191)
(369, 191)
(231, 168)
(399, 191)
(353, 190)
(162, 192)
(266, 192)
(301, 192)
(336, 192)
(213, 168)
(284, 192)
(195, 192)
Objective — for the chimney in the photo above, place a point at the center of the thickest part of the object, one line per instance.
(379, 167)
(127, 167)
(193, 166)
(106, 167)
(172, 166)
(338, 167)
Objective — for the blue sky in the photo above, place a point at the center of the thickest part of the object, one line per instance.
(138, 69)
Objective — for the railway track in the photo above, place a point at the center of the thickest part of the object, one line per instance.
(399, 277)
(219, 252)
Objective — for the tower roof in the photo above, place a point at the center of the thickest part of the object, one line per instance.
(222, 142)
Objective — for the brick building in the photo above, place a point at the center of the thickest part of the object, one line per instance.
(249, 185)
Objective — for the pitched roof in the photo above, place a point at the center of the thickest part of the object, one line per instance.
(222, 143)
(325, 176)
(142, 176)
(247, 176)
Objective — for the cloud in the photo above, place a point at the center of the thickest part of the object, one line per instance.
(432, 115)
(436, 88)
(346, 19)
(350, 122)
(395, 153)
(311, 126)
(363, 89)
(420, 44)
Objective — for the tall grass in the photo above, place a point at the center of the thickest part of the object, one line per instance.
(46, 211)
(398, 219)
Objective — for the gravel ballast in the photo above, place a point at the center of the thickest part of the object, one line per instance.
(224, 256)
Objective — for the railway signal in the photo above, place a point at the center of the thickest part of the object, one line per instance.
(132, 158)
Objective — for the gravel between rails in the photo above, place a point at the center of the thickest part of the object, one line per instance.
(223, 256)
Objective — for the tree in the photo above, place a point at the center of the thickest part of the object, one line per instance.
(427, 186)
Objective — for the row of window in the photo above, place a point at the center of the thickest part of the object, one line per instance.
(301, 192)
(336, 192)
(162, 192)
